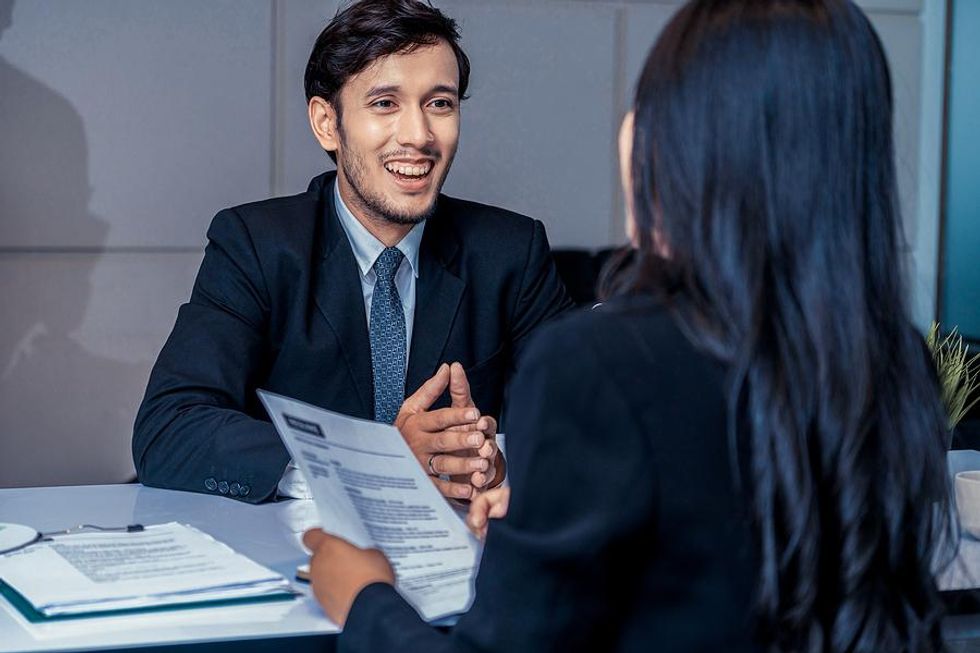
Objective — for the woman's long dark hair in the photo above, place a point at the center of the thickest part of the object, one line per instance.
(765, 200)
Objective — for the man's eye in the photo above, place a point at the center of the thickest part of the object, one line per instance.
(442, 104)
(383, 104)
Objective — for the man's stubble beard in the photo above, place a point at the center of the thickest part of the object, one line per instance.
(378, 206)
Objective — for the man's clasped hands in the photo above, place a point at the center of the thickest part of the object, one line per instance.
(457, 447)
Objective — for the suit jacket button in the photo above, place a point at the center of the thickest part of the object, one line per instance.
(244, 490)
(211, 484)
(233, 489)
(223, 487)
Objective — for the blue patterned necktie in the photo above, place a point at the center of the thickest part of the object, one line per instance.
(387, 332)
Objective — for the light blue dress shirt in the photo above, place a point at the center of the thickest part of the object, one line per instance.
(366, 249)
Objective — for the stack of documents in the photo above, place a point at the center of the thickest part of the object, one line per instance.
(162, 566)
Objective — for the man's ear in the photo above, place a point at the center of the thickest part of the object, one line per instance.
(323, 121)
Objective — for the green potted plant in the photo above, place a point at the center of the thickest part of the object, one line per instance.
(959, 373)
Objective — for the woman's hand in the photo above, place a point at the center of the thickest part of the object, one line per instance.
(488, 505)
(339, 571)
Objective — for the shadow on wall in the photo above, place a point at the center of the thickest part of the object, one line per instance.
(53, 414)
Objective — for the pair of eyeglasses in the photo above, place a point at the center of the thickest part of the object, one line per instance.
(14, 537)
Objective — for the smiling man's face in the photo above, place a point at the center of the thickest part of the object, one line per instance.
(397, 133)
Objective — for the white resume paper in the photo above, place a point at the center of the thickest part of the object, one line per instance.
(369, 489)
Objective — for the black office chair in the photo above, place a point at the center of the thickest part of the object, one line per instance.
(580, 270)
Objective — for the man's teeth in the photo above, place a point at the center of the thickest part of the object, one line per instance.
(409, 171)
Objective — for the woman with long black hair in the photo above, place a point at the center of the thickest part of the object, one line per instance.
(749, 433)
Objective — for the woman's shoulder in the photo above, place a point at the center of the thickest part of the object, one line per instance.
(633, 349)
(627, 329)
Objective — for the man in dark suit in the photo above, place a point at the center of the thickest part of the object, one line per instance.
(357, 293)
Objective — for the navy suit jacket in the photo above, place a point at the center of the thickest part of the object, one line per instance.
(278, 305)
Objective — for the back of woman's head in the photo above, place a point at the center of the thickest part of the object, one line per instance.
(764, 199)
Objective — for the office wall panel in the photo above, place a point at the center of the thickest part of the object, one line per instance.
(902, 39)
(125, 124)
(77, 340)
(538, 129)
(643, 25)
(149, 115)
(895, 6)
(535, 138)
(299, 22)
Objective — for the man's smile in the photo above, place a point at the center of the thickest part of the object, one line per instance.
(412, 175)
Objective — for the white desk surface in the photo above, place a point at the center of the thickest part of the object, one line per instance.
(267, 533)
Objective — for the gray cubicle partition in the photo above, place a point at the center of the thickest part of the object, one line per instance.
(126, 124)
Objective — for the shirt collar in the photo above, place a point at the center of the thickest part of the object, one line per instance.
(366, 247)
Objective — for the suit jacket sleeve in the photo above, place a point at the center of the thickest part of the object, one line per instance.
(562, 567)
(195, 422)
(542, 294)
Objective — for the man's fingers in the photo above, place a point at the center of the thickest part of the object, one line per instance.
(488, 450)
(444, 418)
(479, 425)
(453, 490)
(449, 441)
(459, 387)
(431, 390)
(486, 506)
(479, 511)
(488, 425)
(498, 509)
(450, 464)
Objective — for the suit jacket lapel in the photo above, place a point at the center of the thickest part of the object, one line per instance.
(340, 300)
(437, 295)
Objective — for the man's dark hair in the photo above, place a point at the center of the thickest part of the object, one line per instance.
(370, 29)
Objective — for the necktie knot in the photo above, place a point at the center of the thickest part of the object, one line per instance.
(387, 263)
